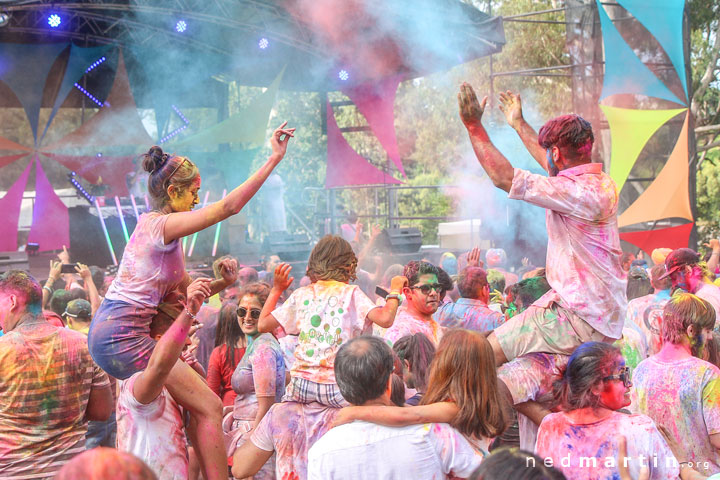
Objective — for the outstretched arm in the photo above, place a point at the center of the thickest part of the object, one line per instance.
(181, 224)
(384, 317)
(442, 412)
(493, 162)
(90, 286)
(511, 106)
(150, 382)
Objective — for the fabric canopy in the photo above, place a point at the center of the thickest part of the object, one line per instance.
(10, 207)
(116, 124)
(247, 126)
(629, 131)
(25, 69)
(51, 220)
(649, 240)
(344, 165)
(105, 170)
(79, 61)
(624, 72)
(664, 20)
(7, 160)
(376, 102)
(6, 144)
(667, 196)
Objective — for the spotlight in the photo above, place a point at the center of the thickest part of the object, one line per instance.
(263, 43)
(180, 26)
(4, 19)
(343, 75)
(54, 20)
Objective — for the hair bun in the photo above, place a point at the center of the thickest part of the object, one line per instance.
(154, 159)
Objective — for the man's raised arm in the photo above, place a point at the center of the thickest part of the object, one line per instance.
(511, 106)
(493, 162)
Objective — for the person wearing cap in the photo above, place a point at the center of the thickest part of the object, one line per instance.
(684, 269)
(77, 315)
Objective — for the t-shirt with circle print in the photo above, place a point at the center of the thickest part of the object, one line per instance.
(323, 315)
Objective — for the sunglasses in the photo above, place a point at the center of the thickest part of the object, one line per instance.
(623, 376)
(254, 313)
(425, 289)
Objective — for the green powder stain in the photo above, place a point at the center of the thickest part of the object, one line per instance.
(306, 302)
(310, 352)
(340, 310)
(315, 320)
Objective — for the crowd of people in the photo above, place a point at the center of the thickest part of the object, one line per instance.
(460, 366)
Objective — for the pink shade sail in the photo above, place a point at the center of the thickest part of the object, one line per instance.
(344, 165)
(376, 101)
(10, 208)
(51, 220)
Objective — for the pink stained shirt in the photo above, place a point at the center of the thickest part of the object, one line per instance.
(583, 259)
(149, 269)
(407, 324)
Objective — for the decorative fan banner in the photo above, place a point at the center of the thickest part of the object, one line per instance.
(664, 20)
(105, 170)
(630, 130)
(667, 196)
(344, 165)
(649, 240)
(376, 102)
(79, 61)
(51, 220)
(7, 160)
(116, 124)
(248, 126)
(10, 207)
(6, 144)
(624, 72)
(26, 68)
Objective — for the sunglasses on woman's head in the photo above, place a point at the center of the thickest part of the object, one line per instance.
(254, 313)
(425, 289)
(623, 376)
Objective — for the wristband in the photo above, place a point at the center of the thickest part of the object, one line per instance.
(395, 292)
(190, 314)
(396, 296)
(45, 287)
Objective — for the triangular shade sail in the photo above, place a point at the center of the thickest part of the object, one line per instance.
(248, 126)
(667, 196)
(25, 69)
(116, 124)
(649, 240)
(112, 170)
(344, 165)
(629, 131)
(51, 220)
(10, 207)
(624, 72)
(664, 20)
(6, 144)
(376, 102)
(79, 61)
(7, 160)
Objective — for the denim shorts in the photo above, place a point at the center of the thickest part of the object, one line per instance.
(119, 338)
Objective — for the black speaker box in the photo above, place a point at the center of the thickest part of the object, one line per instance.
(289, 247)
(14, 261)
(400, 240)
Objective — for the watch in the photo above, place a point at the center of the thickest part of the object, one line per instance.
(396, 296)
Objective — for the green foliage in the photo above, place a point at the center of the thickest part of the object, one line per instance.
(708, 196)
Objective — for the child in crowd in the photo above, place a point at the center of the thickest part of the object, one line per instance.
(324, 315)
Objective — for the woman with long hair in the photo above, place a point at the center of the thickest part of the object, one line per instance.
(152, 271)
(582, 440)
(229, 349)
(462, 391)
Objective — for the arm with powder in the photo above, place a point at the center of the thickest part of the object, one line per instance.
(511, 106)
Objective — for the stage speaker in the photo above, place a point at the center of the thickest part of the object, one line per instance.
(289, 247)
(14, 261)
(400, 240)
(87, 240)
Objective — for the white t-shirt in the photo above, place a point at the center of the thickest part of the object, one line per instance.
(362, 450)
(153, 432)
(711, 293)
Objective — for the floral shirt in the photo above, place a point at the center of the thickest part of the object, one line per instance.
(324, 315)
(583, 260)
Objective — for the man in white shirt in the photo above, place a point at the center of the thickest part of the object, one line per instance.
(361, 450)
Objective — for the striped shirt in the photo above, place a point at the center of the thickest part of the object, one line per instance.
(46, 374)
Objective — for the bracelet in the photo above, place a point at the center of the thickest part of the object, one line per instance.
(395, 292)
(190, 314)
(714, 253)
(45, 287)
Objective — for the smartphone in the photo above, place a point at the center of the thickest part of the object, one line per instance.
(68, 268)
(381, 292)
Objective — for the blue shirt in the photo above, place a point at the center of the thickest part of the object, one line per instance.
(469, 313)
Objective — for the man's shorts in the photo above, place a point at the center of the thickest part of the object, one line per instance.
(302, 390)
(545, 329)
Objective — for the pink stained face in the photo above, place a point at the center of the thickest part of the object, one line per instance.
(615, 395)
(424, 303)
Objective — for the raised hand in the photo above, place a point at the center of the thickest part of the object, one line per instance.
(55, 271)
(64, 256)
(398, 283)
(197, 292)
(83, 270)
(282, 279)
(473, 258)
(375, 231)
(229, 270)
(280, 138)
(511, 106)
(471, 111)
